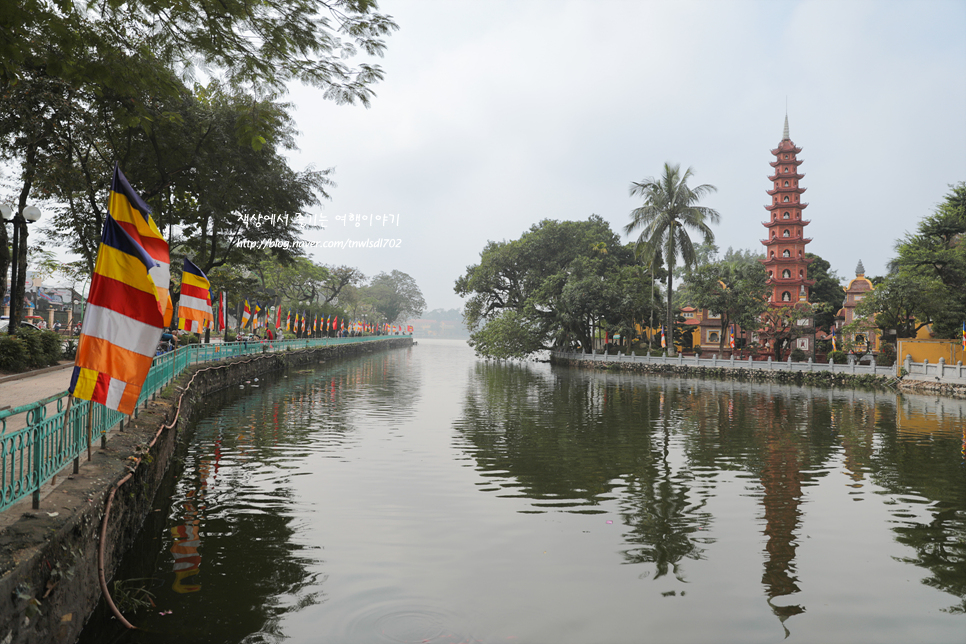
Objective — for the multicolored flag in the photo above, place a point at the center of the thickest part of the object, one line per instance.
(134, 216)
(122, 325)
(223, 312)
(288, 321)
(731, 336)
(663, 339)
(194, 308)
(834, 348)
(246, 315)
(278, 317)
(303, 322)
(258, 309)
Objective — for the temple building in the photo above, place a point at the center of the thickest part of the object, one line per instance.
(866, 338)
(785, 258)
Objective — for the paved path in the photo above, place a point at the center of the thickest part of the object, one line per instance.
(18, 391)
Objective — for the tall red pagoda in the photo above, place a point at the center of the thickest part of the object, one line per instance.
(785, 258)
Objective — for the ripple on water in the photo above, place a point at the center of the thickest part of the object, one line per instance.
(404, 621)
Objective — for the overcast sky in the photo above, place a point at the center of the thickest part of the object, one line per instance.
(496, 115)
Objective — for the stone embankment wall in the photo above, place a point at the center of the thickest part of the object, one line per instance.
(926, 387)
(48, 557)
(815, 378)
(812, 378)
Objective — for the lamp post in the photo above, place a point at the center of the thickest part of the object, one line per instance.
(18, 272)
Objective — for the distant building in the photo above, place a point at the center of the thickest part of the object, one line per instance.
(855, 292)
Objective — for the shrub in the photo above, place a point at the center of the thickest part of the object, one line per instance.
(35, 348)
(13, 353)
(887, 355)
(52, 346)
(798, 355)
(838, 357)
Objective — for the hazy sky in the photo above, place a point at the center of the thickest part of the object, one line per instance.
(496, 115)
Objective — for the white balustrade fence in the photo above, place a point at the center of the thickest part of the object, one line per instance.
(731, 363)
(938, 372)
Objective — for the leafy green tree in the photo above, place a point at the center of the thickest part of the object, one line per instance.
(187, 165)
(558, 279)
(261, 44)
(782, 325)
(395, 296)
(670, 209)
(826, 290)
(904, 301)
(734, 290)
(938, 250)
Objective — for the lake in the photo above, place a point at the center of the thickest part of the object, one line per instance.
(423, 495)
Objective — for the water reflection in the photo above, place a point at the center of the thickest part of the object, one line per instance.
(572, 440)
(233, 560)
(423, 495)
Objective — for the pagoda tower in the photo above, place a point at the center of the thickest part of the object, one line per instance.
(785, 258)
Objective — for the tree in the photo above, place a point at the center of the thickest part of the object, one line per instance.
(904, 301)
(782, 325)
(260, 44)
(938, 250)
(826, 290)
(735, 290)
(339, 279)
(668, 212)
(561, 278)
(395, 296)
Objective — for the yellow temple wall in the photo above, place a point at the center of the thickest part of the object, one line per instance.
(921, 350)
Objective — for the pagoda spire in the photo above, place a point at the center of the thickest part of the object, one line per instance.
(785, 136)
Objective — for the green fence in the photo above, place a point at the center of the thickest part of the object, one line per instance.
(53, 436)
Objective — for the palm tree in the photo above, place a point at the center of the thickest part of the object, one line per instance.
(670, 209)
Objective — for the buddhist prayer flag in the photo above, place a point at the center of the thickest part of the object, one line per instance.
(246, 315)
(288, 321)
(964, 335)
(663, 339)
(278, 317)
(258, 309)
(731, 336)
(194, 309)
(223, 311)
(134, 216)
(122, 325)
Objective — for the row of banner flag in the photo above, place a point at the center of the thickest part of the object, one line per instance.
(129, 305)
(305, 321)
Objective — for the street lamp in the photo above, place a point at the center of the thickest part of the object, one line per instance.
(18, 272)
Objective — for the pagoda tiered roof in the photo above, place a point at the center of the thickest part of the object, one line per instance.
(790, 189)
(787, 260)
(777, 176)
(787, 204)
(786, 240)
(794, 162)
(786, 146)
(786, 222)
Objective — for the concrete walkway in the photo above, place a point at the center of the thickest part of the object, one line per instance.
(23, 389)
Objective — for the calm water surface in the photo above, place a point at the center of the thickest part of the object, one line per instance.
(420, 495)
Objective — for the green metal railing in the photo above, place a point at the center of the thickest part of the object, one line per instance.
(53, 435)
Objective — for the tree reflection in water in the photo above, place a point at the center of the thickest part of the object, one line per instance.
(575, 440)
